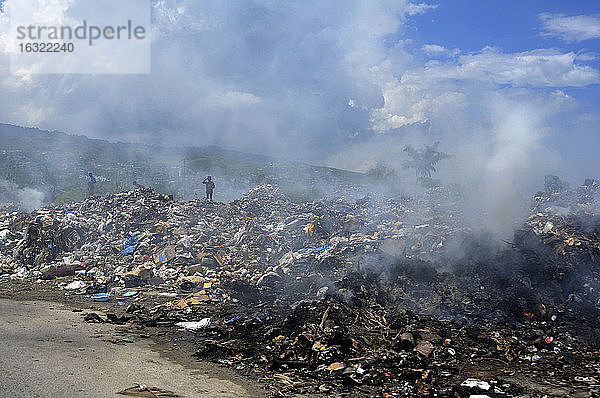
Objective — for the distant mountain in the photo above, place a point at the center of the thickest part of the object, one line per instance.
(56, 164)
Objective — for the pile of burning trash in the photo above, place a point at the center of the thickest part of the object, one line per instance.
(334, 297)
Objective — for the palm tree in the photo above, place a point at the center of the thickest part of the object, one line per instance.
(424, 160)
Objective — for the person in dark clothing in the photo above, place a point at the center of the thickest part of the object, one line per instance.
(210, 186)
(91, 183)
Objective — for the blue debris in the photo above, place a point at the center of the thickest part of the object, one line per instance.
(130, 245)
(100, 297)
(261, 318)
(235, 318)
(316, 249)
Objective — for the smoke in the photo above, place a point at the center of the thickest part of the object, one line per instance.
(264, 77)
(518, 160)
(500, 172)
(498, 139)
(27, 199)
(341, 85)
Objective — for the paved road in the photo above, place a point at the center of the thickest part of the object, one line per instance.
(47, 350)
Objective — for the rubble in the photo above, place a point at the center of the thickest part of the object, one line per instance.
(335, 297)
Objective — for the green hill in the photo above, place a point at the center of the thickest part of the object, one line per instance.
(56, 164)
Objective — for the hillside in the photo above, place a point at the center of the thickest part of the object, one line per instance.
(56, 164)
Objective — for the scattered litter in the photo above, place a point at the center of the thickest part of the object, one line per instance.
(474, 383)
(93, 318)
(141, 390)
(334, 296)
(201, 324)
(100, 297)
(75, 285)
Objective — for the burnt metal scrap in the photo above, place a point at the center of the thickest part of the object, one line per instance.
(367, 297)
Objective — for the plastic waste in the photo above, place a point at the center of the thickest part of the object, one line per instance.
(474, 383)
(198, 325)
(75, 285)
(100, 297)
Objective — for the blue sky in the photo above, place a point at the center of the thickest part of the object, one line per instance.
(518, 26)
(513, 25)
(511, 88)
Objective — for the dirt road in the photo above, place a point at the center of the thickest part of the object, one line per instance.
(46, 350)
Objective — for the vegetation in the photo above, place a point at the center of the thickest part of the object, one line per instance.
(382, 172)
(424, 160)
(57, 165)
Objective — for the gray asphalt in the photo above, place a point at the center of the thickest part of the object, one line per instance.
(47, 350)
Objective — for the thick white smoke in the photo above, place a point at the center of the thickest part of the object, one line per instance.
(26, 199)
(347, 85)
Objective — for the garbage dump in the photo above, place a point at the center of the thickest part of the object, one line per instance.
(381, 296)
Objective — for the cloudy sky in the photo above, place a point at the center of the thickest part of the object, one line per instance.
(510, 88)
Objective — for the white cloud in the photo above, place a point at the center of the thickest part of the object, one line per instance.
(232, 99)
(436, 50)
(294, 64)
(407, 104)
(571, 28)
(586, 56)
(420, 8)
(536, 68)
(382, 120)
(171, 18)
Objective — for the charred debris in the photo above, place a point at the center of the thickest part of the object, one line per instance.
(374, 297)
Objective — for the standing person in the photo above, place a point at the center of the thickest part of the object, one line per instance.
(210, 186)
(91, 182)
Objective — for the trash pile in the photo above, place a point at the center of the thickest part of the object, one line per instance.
(569, 221)
(336, 297)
